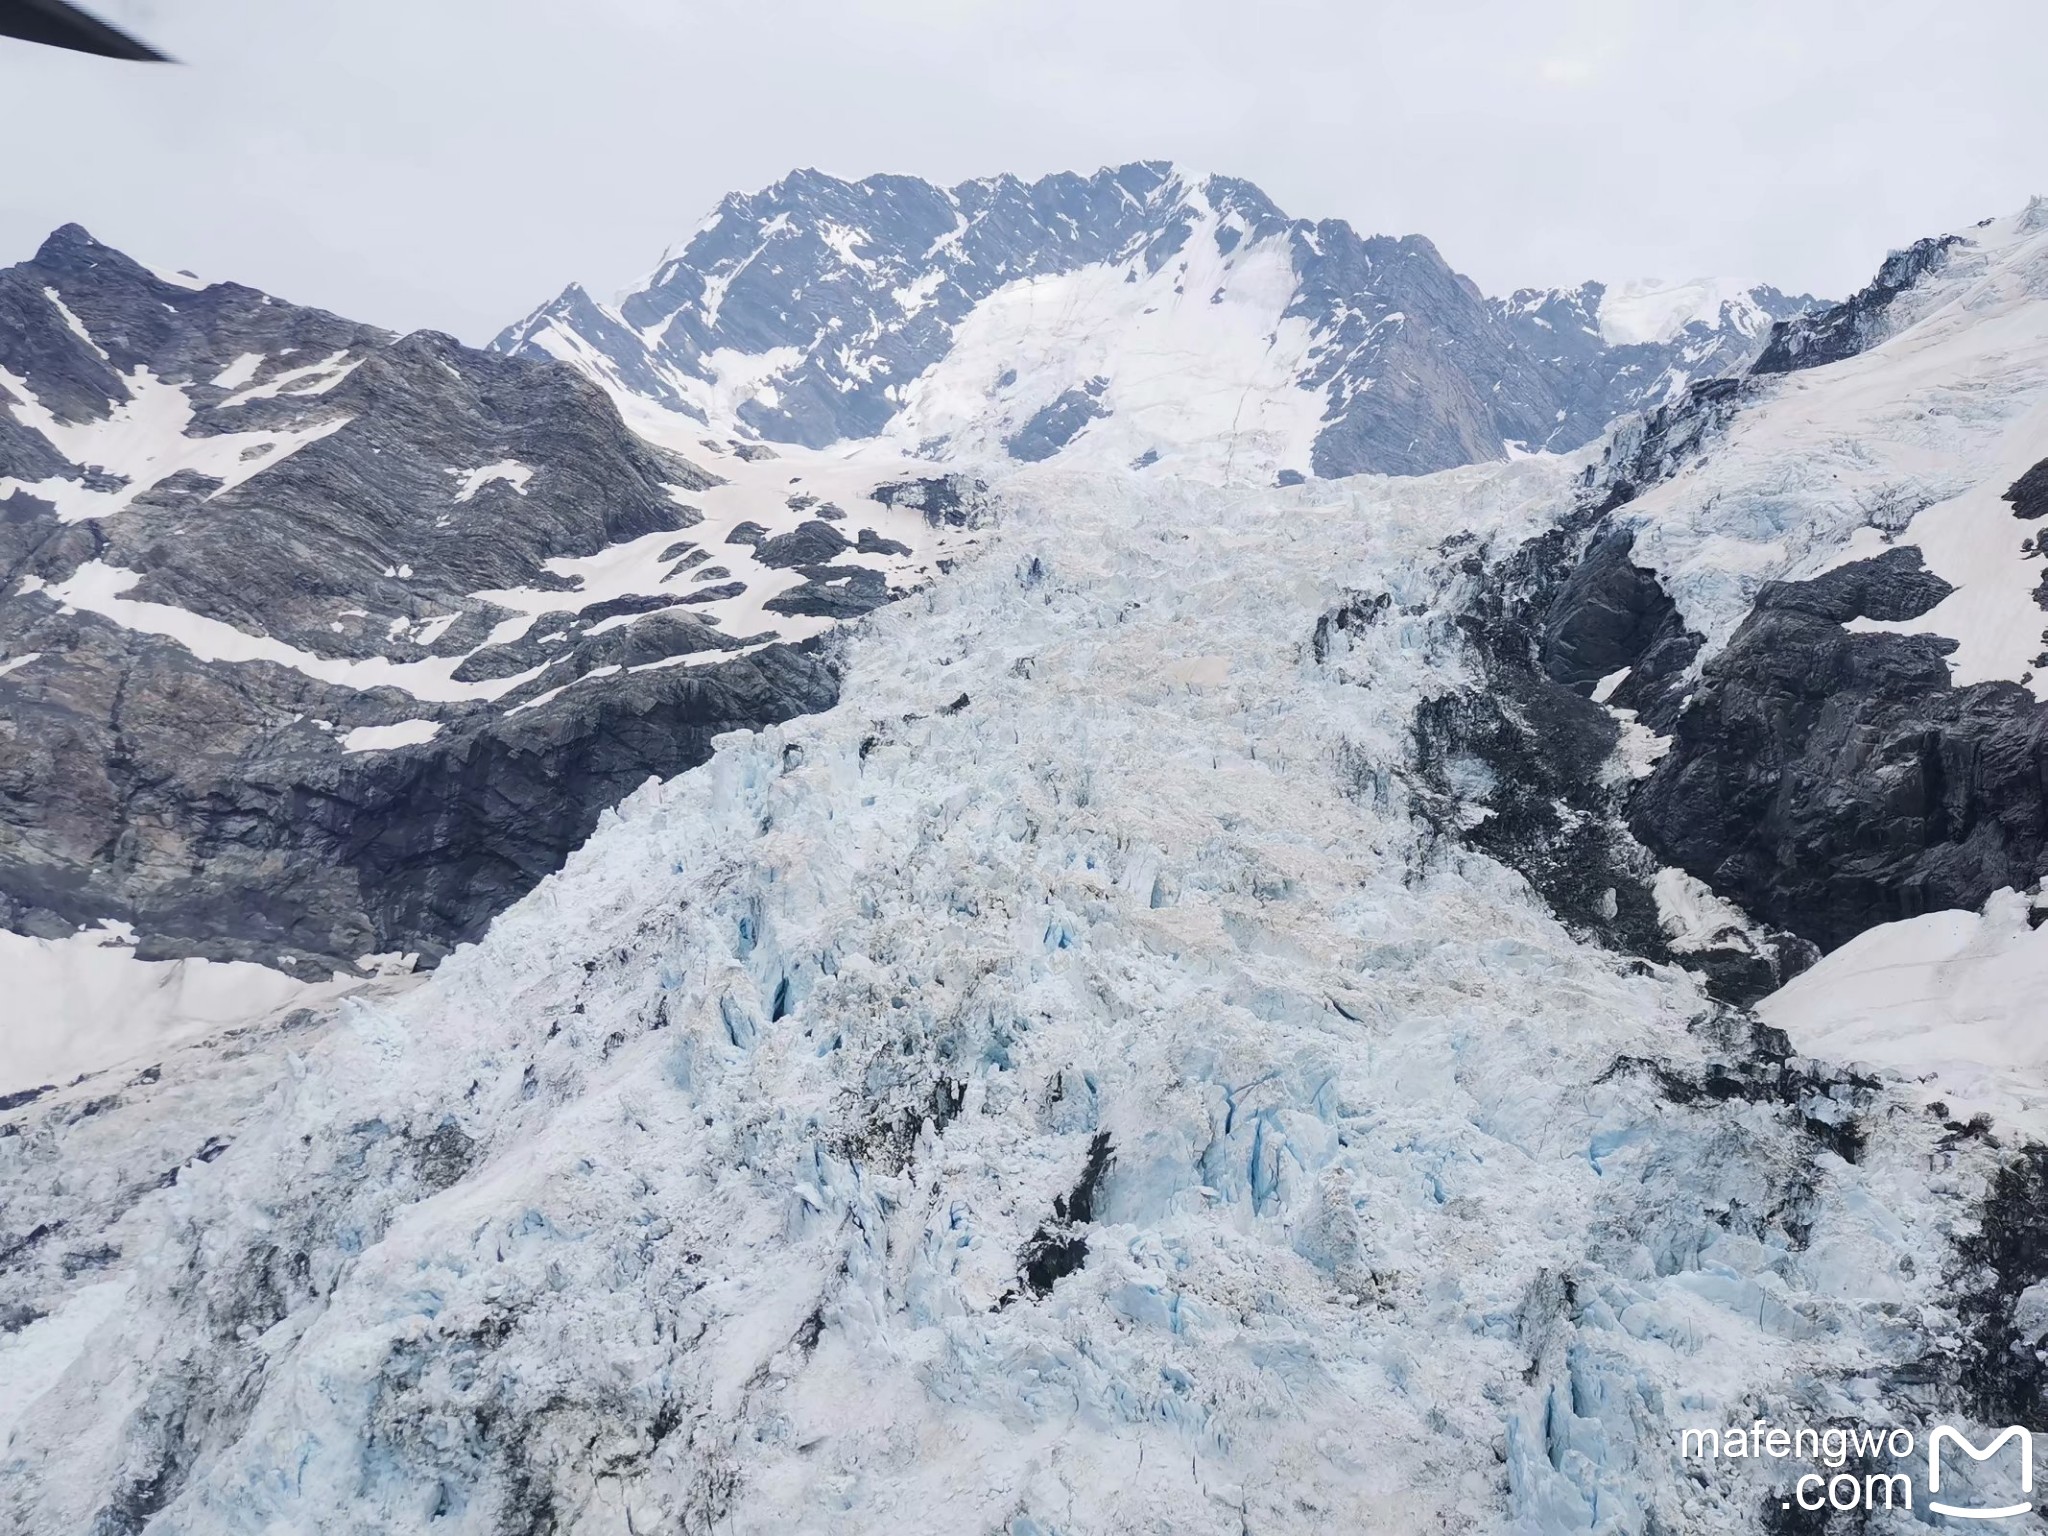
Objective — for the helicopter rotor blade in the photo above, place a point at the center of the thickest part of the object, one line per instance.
(61, 25)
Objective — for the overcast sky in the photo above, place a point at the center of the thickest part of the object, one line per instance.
(451, 163)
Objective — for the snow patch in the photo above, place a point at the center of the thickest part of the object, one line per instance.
(97, 587)
(1693, 917)
(1641, 749)
(383, 738)
(143, 439)
(85, 1002)
(1926, 993)
(510, 471)
(759, 494)
(315, 378)
(77, 325)
(239, 372)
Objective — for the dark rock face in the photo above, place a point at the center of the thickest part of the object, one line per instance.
(833, 592)
(1520, 769)
(1419, 371)
(211, 803)
(1411, 360)
(1060, 1246)
(1542, 755)
(872, 543)
(811, 543)
(1843, 330)
(2029, 493)
(952, 501)
(1832, 781)
(1892, 587)
(338, 518)
(1456, 377)
(1055, 425)
(2000, 1375)
(356, 495)
(441, 840)
(1611, 614)
(136, 318)
(200, 804)
(1824, 780)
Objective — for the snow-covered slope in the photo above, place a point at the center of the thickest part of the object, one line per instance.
(1813, 595)
(1146, 315)
(85, 1002)
(1636, 345)
(1952, 989)
(1912, 441)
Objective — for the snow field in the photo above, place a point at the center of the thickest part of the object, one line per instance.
(85, 1002)
(1201, 360)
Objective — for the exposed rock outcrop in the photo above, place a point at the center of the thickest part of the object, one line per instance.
(303, 652)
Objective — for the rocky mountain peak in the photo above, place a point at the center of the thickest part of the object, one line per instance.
(967, 322)
(69, 244)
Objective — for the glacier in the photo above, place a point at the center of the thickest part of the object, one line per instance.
(1068, 1086)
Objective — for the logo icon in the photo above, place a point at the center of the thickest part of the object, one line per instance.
(1943, 1432)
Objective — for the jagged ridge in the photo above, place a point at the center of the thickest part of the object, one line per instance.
(1143, 313)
